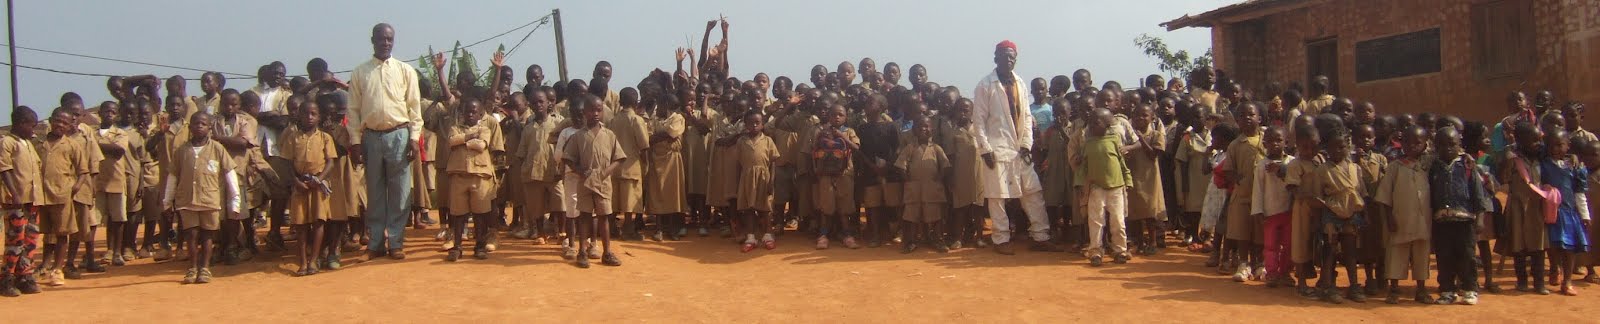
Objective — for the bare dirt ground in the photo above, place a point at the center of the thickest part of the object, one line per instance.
(709, 280)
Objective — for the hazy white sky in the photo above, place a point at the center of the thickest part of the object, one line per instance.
(954, 39)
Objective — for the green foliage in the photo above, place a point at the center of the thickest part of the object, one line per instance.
(1178, 63)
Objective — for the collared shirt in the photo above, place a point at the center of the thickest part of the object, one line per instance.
(384, 95)
(1270, 194)
(1002, 126)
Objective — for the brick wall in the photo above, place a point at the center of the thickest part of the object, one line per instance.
(1567, 40)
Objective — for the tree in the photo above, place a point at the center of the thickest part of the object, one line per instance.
(1173, 63)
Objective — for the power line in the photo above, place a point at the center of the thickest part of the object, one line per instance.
(120, 60)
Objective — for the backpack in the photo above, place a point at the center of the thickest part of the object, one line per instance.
(831, 155)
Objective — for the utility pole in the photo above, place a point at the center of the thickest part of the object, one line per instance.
(10, 31)
(561, 49)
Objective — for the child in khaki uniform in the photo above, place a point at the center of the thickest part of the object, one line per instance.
(1337, 193)
(961, 142)
(831, 165)
(471, 173)
(664, 180)
(633, 133)
(756, 157)
(312, 152)
(1242, 231)
(111, 182)
(1147, 207)
(20, 190)
(83, 195)
(200, 188)
(925, 166)
(1404, 191)
(539, 171)
(64, 164)
(594, 154)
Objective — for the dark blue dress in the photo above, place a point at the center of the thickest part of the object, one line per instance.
(1568, 232)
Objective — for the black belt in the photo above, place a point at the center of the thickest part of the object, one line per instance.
(386, 131)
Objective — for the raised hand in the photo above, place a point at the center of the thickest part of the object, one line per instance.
(681, 54)
(711, 24)
(438, 61)
(499, 58)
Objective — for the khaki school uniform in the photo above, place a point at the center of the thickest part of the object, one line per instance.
(784, 139)
(589, 152)
(19, 157)
(1339, 187)
(1303, 174)
(1242, 156)
(756, 155)
(538, 170)
(250, 184)
(1146, 200)
(111, 182)
(966, 161)
(348, 179)
(1208, 101)
(310, 151)
(1316, 106)
(1371, 246)
(1404, 189)
(63, 161)
(85, 194)
(438, 118)
(199, 188)
(697, 152)
(724, 178)
(1194, 176)
(663, 181)
(633, 133)
(835, 194)
(472, 170)
(1524, 211)
(804, 126)
(925, 165)
(1057, 170)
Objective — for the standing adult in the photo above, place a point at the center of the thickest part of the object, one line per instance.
(385, 123)
(1005, 136)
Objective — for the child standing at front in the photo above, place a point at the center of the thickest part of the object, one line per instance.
(64, 163)
(1404, 190)
(19, 175)
(1458, 199)
(1103, 179)
(1526, 235)
(1568, 234)
(756, 154)
(1338, 195)
(594, 155)
(925, 166)
(471, 170)
(1242, 232)
(1271, 202)
(831, 155)
(966, 200)
(312, 152)
(1147, 207)
(200, 188)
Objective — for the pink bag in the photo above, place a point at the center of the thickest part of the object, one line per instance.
(1550, 196)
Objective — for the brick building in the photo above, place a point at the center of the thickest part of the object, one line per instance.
(1456, 56)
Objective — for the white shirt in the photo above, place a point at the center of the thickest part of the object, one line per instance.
(1269, 195)
(999, 130)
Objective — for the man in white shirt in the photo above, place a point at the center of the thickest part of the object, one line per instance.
(385, 124)
(1005, 136)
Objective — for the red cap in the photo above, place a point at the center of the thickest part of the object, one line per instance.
(1005, 44)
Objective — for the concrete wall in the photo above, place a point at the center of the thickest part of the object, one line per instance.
(1567, 38)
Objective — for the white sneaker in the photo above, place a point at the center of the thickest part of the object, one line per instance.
(1469, 298)
(1243, 274)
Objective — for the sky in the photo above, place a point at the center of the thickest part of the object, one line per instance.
(953, 39)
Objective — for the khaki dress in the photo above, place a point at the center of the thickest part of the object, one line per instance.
(663, 181)
(634, 135)
(724, 178)
(1057, 170)
(697, 153)
(347, 178)
(1524, 212)
(756, 155)
(1243, 154)
(1146, 201)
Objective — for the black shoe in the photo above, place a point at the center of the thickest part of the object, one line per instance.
(72, 273)
(94, 267)
(583, 263)
(28, 285)
(428, 221)
(1096, 261)
(1120, 259)
(397, 254)
(480, 254)
(908, 248)
(8, 287)
(610, 260)
(373, 255)
(941, 248)
(453, 255)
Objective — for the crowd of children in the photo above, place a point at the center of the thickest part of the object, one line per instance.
(1282, 186)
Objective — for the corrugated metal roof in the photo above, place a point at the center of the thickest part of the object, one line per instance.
(1207, 19)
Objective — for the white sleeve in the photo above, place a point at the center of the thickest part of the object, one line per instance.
(1582, 205)
(231, 191)
(1258, 197)
(980, 116)
(166, 194)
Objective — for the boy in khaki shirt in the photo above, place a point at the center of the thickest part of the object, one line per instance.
(201, 186)
(312, 152)
(111, 182)
(19, 172)
(633, 133)
(594, 155)
(925, 165)
(471, 169)
(64, 165)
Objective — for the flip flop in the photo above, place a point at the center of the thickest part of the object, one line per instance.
(770, 244)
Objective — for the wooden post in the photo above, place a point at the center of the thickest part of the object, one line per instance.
(11, 42)
(561, 46)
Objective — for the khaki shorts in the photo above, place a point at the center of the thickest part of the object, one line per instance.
(57, 220)
(592, 203)
(923, 212)
(113, 207)
(884, 194)
(627, 195)
(470, 193)
(209, 220)
(835, 195)
(540, 197)
(308, 206)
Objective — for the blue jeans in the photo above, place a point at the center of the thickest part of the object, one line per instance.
(388, 187)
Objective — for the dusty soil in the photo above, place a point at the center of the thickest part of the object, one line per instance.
(709, 280)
